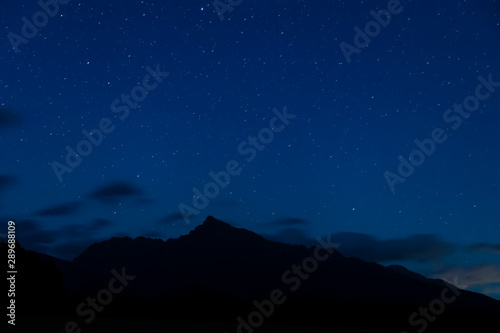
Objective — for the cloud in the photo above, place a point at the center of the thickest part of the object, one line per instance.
(30, 234)
(75, 231)
(492, 290)
(8, 180)
(111, 192)
(171, 218)
(65, 242)
(73, 239)
(60, 210)
(100, 223)
(290, 222)
(483, 247)
(291, 236)
(471, 276)
(420, 248)
(83, 231)
(9, 119)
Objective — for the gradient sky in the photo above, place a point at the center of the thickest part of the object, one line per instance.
(228, 76)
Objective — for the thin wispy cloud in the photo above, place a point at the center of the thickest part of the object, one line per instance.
(290, 222)
(483, 247)
(171, 218)
(471, 276)
(64, 209)
(9, 118)
(419, 248)
(112, 192)
(7, 181)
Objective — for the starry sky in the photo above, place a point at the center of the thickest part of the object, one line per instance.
(374, 122)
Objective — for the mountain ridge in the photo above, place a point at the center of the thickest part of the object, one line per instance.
(215, 235)
(223, 269)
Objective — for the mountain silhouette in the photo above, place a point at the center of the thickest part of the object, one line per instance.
(217, 272)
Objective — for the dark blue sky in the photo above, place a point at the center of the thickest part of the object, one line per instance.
(232, 79)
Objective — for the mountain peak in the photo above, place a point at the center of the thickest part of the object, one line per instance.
(214, 226)
(217, 231)
(212, 222)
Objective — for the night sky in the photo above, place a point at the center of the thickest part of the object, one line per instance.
(115, 116)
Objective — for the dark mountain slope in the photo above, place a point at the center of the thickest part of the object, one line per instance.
(216, 272)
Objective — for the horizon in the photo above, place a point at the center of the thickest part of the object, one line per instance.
(454, 281)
